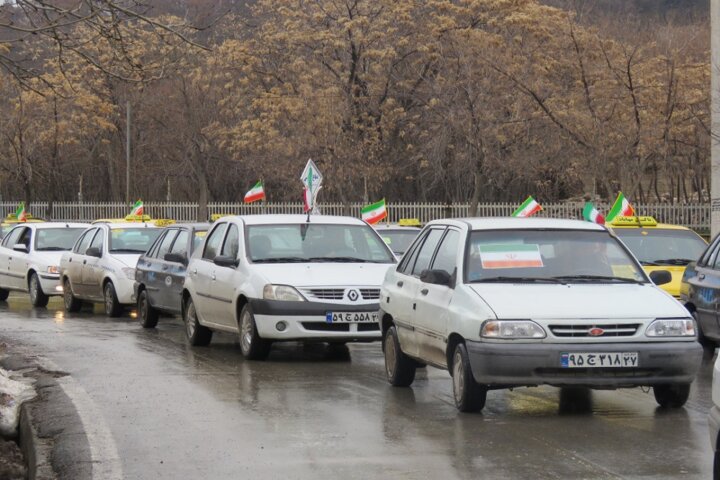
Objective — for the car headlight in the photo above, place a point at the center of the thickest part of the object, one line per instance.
(129, 273)
(671, 327)
(511, 329)
(53, 269)
(282, 292)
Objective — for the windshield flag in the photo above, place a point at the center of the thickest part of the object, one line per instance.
(621, 208)
(257, 192)
(528, 208)
(592, 214)
(138, 208)
(375, 212)
(20, 213)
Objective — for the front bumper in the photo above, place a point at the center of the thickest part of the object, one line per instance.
(50, 284)
(307, 321)
(124, 289)
(523, 364)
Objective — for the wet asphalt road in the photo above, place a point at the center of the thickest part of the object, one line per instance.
(178, 412)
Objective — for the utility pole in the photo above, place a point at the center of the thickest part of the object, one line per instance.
(127, 156)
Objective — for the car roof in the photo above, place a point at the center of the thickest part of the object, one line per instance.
(45, 225)
(190, 226)
(395, 227)
(515, 223)
(113, 226)
(276, 219)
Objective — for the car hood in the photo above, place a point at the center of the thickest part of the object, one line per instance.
(323, 274)
(604, 301)
(47, 258)
(127, 259)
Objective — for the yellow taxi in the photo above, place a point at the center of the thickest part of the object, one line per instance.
(660, 246)
(158, 222)
(11, 220)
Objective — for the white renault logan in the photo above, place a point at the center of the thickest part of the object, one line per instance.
(275, 278)
(508, 302)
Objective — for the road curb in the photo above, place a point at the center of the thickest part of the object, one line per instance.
(37, 451)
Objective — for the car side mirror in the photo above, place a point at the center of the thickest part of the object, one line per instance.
(20, 247)
(176, 258)
(226, 261)
(660, 277)
(437, 277)
(93, 252)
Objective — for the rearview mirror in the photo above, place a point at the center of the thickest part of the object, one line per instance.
(226, 261)
(437, 277)
(176, 258)
(20, 247)
(661, 277)
(93, 252)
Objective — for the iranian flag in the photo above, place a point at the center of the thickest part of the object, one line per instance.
(375, 212)
(591, 214)
(528, 208)
(307, 200)
(621, 208)
(138, 208)
(510, 256)
(20, 213)
(256, 193)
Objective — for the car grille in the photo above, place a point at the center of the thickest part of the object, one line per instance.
(597, 372)
(609, 330)
(325, 293)
(368, 327)
(370, 293)
(326, 327)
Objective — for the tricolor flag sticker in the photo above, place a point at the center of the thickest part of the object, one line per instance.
(510, 256)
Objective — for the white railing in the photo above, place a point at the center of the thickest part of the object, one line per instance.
(695, 216)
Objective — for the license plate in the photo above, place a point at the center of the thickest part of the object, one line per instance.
(351, 317)
(599, 360)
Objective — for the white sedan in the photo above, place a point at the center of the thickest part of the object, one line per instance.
(101, 266)
(275, 278)
(30, 258)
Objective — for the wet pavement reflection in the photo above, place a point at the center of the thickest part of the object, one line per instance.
(311, 411)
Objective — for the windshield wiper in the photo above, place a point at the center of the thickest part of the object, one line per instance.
(126, 250)
(280, 260)
(52, 249)
(603, 278)
(339, 259)
(648, 263)
(672, 261)
(502, 279)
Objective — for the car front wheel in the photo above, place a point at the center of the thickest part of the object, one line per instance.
(400, 368)
(72, 303)
(148, 315)
(4, 294)
(252, 346)
(673, 395)
(37, 296)
(112, 306)
(198, 336)
(468, 394)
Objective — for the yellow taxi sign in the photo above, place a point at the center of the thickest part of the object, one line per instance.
(217, 216)
(163, 222)
(634, 222)
(138, 218)
(12, 218)
(409, 222)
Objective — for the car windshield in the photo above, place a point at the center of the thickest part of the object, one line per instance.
(198, 237)
(132, 240)
(558, 256)
(662, 247)
(398, 240)
(315, 242)
(56, 239)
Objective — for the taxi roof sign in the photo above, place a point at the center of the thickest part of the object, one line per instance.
(409, 222)
(217, 216)
(158, 222)
(645, 221)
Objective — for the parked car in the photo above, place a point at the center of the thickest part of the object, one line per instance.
(160, 272)
(399, 236)
(714, 419)
(509, 302)
(273, 278)
(700, 292)
(30, 258)
(101, 266)
(660, 246)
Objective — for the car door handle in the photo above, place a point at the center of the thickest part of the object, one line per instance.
(165, 267)
(701, 276)
(69, 259)
(424, 291)
(194, 272)
(84, 262)
(400, 284)
(212, 276)
(414, 305)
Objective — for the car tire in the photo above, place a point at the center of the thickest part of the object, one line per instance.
(399, 368)
(716, 466)
(672, 395)
(71, 302)
(148, 314)
(198, 335)
(4, 294)
(112, 306)
(252, 346)
(468, 394)
(37, 296)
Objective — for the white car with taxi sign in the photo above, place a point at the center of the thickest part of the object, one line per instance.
(101, 266)
(271, 278)
(509, 302)
(30, 258)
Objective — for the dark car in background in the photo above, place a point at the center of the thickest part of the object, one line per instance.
(161, 271)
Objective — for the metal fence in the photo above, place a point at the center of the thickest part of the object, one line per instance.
(695, 216)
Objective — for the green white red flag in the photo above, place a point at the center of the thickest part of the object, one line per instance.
(138, 208)
(528, 208)
(621, 208)
(20, 213)
(257, 192)
(591, 214)
(375, 212)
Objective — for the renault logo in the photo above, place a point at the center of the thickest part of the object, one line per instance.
(353, 295)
